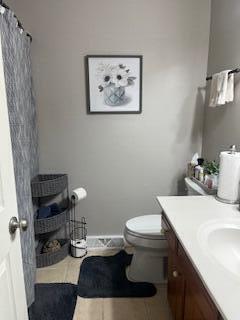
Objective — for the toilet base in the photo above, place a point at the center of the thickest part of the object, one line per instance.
(148, 265)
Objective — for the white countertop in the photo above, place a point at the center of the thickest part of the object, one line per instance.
(187, 215)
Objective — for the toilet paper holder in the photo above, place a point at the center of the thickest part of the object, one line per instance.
(77, 228)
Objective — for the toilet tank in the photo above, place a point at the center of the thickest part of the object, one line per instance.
(193, 189)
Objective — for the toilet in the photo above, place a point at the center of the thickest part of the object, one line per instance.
(149, 262)
(144, 234)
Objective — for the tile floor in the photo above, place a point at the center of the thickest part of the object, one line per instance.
(155, 308)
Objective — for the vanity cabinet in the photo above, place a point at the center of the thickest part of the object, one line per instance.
(187, 296)
(176, 286)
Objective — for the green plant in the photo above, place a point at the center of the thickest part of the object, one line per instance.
(211, 167)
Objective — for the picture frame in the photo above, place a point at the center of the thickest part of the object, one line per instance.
(114, 84)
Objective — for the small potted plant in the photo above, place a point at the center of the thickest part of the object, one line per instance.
(211, 170)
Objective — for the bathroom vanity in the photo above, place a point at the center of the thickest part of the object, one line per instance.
(203, 279)
(187, 296)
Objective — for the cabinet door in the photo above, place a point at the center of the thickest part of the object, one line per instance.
(176, 280)
(191, 308)
(198, 305)
(176, 284)
(187, 296)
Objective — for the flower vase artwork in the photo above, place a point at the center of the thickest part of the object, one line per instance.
(114, 84)
(113, 81)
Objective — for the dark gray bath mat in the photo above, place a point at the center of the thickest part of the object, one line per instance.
(105, 277)
(53, 301)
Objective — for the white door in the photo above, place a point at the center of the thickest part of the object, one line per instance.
(12, 291)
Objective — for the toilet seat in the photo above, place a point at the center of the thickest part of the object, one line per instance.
(145, 227)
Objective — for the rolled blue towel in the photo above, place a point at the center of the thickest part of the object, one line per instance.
(55, 209)
(44, 212)
(49, 211)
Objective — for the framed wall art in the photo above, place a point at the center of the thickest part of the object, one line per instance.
(114, 83)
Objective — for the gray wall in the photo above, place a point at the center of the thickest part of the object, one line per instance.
(221, 125)
(124, 161)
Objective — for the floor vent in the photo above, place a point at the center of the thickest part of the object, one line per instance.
(105, 242)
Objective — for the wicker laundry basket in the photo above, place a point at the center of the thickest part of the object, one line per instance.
(47, 259)
(44, 185)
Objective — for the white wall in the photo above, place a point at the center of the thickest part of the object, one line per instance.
(222, 124)
(124, 161)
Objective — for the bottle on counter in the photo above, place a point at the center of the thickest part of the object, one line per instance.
(201, 175)
(192, 165)
(198, 170)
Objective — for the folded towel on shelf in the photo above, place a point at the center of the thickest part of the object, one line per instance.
(44, 212)
(48, 211)
(222, 88)
(55, 209)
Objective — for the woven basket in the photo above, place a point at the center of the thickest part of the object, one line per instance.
(52, 223)
(44, 185)
(48, 259)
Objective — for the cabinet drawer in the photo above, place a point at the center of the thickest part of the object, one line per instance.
(198, 292)
(170, 236)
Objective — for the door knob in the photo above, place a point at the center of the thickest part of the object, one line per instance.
(175, 274)
(14, 224)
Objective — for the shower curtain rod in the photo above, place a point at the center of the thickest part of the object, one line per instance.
(20, 26)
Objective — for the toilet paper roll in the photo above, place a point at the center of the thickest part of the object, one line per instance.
(78, 194)
(229, 177)
(78, 248)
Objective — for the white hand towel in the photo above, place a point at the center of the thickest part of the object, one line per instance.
(222, 89)
(214, 91)
(230, 88)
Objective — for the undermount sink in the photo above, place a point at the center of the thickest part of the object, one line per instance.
(221, 240)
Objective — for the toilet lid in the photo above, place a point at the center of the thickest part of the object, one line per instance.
(146, 225)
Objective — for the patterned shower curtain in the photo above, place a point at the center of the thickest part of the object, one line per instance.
(22, 117)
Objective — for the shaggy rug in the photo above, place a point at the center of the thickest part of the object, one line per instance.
(105, 277)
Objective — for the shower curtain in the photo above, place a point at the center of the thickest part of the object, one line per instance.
(22, 117)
